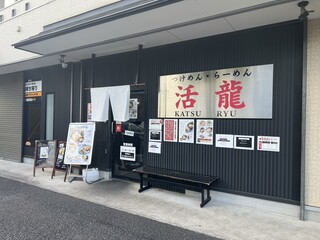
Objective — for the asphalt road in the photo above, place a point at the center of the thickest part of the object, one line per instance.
(28, 212)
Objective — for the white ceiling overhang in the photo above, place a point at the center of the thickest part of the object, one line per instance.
(154, 23)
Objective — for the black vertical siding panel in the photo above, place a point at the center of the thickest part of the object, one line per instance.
(263, 174)
(54, 80)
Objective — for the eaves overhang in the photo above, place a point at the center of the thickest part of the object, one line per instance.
(125, 25)
(112, 12)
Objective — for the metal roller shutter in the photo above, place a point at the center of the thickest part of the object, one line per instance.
(11, 112)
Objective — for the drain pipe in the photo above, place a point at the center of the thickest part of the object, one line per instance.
(303, 120)
(81, 91)
(93, 58)
(138, 65)
(71, 91)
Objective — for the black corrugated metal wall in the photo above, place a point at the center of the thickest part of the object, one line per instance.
(263, 174)
(54, 80)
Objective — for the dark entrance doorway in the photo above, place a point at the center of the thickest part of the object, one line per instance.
(32, 118)
(128, 138)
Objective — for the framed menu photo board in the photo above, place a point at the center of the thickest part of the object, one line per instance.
(59, 165)
(44, 154)
(60, 156)
(79, 143)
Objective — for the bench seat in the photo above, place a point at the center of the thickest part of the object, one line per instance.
(190, 181)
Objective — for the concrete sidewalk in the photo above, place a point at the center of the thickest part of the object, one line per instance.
(217, 218)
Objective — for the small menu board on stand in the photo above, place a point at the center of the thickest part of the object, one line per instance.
(59, 165)
(44, 154)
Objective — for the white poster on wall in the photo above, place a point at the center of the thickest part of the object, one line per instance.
(155, 124)
(268, 143)
(186, 130)
(204, 131)
(224, 140)
(154, 147)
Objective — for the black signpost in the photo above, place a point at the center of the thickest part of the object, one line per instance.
(44, 154)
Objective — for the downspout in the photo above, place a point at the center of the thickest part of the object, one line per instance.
(71, 92)
(138, 65)
(303, 120)
(93, 57)
(81, 91)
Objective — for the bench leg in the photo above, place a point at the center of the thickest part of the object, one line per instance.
(142, 187)
(205, 201)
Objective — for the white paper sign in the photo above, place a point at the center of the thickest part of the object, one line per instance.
(267, 143)
(224, 140)
(155, 124)
(186, 130)
(129, 133)
(44, 152)
(154, 147)
(128, 153)
(204, 131)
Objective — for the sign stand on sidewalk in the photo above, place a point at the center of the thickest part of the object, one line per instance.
(58, 164)
(44, 154)
(79, 149)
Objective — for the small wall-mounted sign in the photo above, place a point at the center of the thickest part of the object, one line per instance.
(244, 142)
(128, 153)
(267, 143)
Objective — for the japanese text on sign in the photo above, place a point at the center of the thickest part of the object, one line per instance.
(33, 89)
(244, 92)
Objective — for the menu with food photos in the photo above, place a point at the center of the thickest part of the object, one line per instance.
(79, 143)
(204, 131)
(186, 130)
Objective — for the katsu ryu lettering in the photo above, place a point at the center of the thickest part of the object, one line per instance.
(244, 92)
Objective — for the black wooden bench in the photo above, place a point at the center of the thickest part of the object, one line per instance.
(195, 182)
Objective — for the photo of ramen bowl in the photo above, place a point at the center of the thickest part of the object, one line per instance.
(77, 136)
(209, 130)
(209, 123)
(202, 123)
(184, 137)
(84, 149)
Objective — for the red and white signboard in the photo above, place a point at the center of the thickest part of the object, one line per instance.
(244, 92)
(170, 130)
